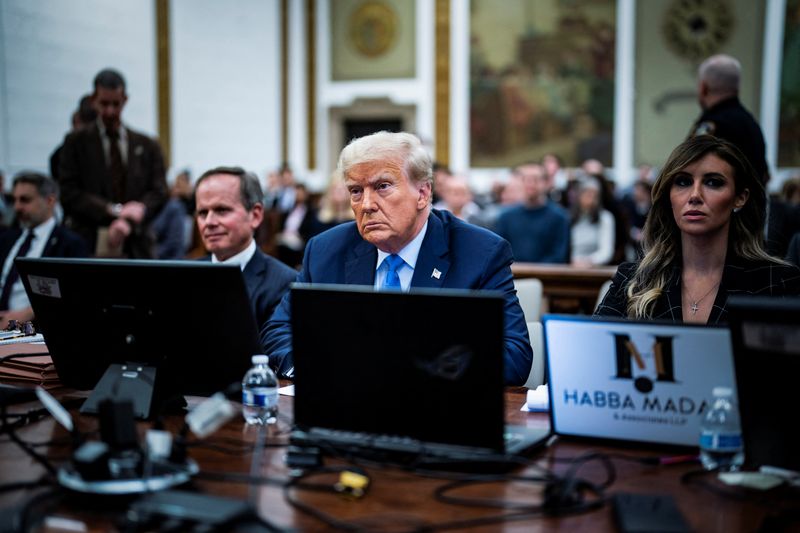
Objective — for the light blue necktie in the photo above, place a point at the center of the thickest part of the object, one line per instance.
(392, 281)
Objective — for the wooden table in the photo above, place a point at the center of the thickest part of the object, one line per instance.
(566, 289)
(396, 498)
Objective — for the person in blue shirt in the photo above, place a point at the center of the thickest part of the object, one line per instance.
(538, 229)
(389, 181)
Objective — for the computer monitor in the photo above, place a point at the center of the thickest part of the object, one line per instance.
(766, 350)
(187, 326)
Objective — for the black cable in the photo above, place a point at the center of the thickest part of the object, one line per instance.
(57, 442)
(325, 518)
(20, 485)
(19, 442)
(34, 415)
(562, 495)
(413, 524)
(520, 511)
(441, 492)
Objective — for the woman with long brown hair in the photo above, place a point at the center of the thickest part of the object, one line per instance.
(703, 241)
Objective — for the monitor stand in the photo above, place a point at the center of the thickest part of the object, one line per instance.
(134, 382)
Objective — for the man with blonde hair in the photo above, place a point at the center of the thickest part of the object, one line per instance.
(398, 241)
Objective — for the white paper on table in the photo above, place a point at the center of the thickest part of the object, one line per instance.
(538, 400)
(288, 390)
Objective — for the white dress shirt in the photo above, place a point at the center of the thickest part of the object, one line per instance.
(241, 259)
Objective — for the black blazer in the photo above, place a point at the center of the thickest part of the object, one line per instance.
(61, 243)
(738, 277)
(267, 280)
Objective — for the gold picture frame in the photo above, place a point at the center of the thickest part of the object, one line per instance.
(372, 39)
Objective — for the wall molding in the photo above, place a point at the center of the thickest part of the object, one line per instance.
(442, 82)
(164, 79)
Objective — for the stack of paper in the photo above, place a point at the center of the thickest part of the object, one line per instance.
(33, 367)
(21, 339)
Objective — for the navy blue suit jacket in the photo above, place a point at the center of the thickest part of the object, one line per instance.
(467, 256)
(267, 280)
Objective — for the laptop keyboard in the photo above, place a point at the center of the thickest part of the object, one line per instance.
(389, 443)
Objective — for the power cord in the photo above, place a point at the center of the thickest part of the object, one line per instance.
(12, 434)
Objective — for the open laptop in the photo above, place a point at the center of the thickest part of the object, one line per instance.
(631, 380)
(416, 374)
(766, 349)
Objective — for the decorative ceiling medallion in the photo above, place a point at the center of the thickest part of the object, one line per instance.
(373, 28)
(696, 29)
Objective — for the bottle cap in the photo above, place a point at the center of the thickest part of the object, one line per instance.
(722, 391)
(259, 359)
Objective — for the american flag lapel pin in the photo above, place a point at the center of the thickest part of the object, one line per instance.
(436, 274)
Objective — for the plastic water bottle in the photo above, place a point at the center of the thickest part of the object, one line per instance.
(720, 434)
(260, 393)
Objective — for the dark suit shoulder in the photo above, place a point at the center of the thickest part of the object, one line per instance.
(763, 277)
(275, 268)
(7, 239)
(64, 242)
(137, 137)
(81, 137)
(457, 229)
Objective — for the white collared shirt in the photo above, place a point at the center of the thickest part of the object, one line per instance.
(123, 142)
(18, 299)
(409, 254)
(241, 259)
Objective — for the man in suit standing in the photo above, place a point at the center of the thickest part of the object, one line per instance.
(229, 210)
(112, 177)
(39, 235)
(397, 241)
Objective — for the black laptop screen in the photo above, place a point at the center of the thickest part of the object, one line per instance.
(425, 365)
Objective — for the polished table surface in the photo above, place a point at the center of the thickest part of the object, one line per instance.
(566, 289)
(398, 500)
